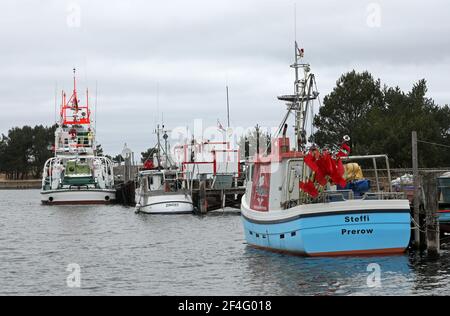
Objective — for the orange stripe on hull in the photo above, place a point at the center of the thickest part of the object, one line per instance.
(371, 252)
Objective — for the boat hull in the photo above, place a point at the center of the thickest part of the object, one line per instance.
(444, 221)
(352, 232)
(166, 204)
(78, 197)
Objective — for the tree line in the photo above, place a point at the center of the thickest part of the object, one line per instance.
(379, 120)
(24, 151)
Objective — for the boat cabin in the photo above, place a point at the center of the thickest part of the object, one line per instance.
(161, 181)
(273, 180)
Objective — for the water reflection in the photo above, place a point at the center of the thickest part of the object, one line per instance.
(292, 275)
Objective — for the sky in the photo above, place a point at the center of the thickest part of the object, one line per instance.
(147, 62)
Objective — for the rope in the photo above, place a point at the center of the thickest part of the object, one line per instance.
(417, 226)
(422, 230)
(435, 144)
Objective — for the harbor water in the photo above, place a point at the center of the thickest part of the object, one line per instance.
(121, 253)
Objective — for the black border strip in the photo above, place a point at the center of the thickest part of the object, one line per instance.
(284, 220)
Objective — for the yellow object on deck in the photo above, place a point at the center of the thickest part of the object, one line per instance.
(353, 171)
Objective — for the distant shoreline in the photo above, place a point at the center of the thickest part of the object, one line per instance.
(20, 184)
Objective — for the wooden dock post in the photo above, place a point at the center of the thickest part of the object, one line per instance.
(247, 149)
(202, 200)
(257, 138)
(431, 208)
(416, 210)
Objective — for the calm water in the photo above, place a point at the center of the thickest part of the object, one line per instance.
(122, 253)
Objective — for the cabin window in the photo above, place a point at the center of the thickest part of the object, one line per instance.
(150, 183)
(282, 236)
(293, 234)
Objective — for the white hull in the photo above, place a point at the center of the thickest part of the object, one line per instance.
(165, 204)
(94, 196)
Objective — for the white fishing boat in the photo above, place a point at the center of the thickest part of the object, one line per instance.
(76, 174)
(163, 192)
(162, 189)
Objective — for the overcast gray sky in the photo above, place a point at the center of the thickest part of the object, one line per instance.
(192, 48)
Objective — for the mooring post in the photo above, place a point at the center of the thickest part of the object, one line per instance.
(246, 149)
(223, 198)
(257, 139)
(431, 208)
(203, 202)
(416, 204)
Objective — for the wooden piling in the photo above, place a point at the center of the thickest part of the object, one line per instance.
(257, 138)
(416, 210)
(223, 198)
(203, 202)
(431, 209)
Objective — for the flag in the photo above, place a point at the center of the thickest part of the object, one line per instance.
(219, 126)
(301, 52)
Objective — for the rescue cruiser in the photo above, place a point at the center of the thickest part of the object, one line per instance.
(76, 174)
(306, 201)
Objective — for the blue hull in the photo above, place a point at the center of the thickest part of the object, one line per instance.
(444, 218)
(342, 234)
(444, 222)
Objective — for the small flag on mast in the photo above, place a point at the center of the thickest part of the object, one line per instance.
(219, 126)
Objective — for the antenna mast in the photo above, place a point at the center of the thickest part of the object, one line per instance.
(299, 102)
(228, 108)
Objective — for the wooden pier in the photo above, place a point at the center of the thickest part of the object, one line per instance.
(207, 198)
(207, 195)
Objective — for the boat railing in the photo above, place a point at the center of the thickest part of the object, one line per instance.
(373, 159)
(345, 195)
(384, 196)
(335, 196)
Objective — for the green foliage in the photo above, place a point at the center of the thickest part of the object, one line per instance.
(24, 151)
(119, 159)
(346, 108)
(99, 150)
(380, 120)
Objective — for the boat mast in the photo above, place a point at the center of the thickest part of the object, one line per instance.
(158, 151)
(299, 102)
(228, 109)
(298, 106)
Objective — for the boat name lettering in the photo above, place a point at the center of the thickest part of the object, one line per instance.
(357, 219)
(356, 231)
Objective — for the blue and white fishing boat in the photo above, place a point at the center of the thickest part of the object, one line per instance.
(356, 219)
